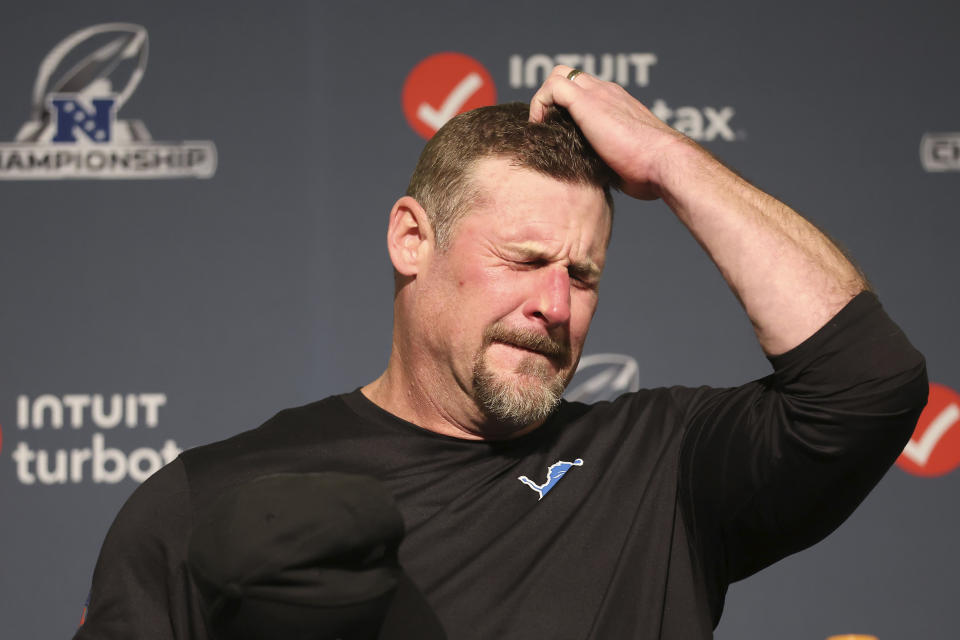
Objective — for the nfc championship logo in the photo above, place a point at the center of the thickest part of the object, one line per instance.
(74, 131)
(940, 152)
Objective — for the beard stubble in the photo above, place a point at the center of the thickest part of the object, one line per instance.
(534, 389)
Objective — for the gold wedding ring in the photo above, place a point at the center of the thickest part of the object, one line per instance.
(573, 74)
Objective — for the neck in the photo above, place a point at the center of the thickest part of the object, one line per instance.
(417, 395)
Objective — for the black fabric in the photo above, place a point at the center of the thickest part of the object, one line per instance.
(669, 495)
(304, 555)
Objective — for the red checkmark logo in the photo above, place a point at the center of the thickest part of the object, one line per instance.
(442, 86)
(934, 449)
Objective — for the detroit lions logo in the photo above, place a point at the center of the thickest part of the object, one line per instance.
(554, 473)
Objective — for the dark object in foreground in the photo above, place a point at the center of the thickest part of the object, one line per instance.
(306, 556)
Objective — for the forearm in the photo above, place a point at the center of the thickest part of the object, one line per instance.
(789, 277)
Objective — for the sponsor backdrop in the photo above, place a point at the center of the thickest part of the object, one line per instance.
(193, 202)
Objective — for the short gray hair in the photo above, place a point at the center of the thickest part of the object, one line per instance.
(555, 147)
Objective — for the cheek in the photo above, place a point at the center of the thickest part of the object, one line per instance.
(474, 299)
(583, 308)
(490, 288)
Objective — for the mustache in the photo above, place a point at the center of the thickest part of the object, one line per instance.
(527, 339)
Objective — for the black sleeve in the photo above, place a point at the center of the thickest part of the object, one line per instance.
(140, 586)
(774, 466)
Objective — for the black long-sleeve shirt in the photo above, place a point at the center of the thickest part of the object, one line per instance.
(623, 519)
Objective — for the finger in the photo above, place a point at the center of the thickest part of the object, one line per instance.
(560, 74)
(564, 71)
(556, 89)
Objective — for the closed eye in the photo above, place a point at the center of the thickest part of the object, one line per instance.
(583, 278)
(530, 264)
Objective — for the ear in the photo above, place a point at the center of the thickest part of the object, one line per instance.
(409, 236)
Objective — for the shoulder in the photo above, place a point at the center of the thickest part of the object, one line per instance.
(140, 588)
(275, 446)
(151, 528)
(289, 424)
(164, 495)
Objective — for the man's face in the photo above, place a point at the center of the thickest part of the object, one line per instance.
(510, 301)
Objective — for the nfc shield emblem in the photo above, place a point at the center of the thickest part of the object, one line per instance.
(940, 152)
(72, 116)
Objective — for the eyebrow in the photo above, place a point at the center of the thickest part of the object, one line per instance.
(583, 269)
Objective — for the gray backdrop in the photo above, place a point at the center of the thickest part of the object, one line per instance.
(268, 284)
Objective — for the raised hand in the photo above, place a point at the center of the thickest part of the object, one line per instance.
(634, 142)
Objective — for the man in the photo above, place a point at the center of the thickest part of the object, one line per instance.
(527, 517)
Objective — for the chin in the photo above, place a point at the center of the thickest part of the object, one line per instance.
(519, 398)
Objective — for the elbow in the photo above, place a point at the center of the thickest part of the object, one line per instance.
(908, 395)
(919, 387)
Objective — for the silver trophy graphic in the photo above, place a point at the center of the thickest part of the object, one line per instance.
(74, 131)
(104, 57)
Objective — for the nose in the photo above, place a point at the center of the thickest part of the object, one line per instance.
(550, 302)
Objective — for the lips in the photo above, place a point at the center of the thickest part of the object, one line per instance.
(519, 346)
(522, 347)
(556, 362)
(531, 341)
